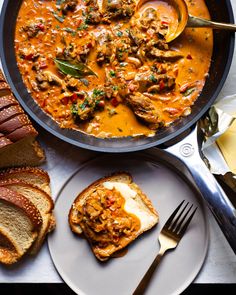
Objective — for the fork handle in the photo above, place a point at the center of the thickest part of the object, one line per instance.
(148, 275)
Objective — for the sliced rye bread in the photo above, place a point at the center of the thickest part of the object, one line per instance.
(20, 223)
(19, 148)
(41, 200)
(118, 184)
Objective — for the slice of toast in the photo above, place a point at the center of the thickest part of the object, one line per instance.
(20, 223)
(41, 200)
(32, 175)
(111, 213)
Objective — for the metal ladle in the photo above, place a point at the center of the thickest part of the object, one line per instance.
(187, 20)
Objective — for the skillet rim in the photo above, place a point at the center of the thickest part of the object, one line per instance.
(77, 142)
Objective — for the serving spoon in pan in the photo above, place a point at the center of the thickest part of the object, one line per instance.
(186, 20)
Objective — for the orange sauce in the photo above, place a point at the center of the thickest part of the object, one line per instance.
(113, 120)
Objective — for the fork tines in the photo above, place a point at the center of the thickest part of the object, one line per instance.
(177, 224)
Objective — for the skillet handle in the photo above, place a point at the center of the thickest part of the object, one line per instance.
(187, 151)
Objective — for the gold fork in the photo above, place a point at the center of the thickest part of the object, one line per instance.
(170, 235)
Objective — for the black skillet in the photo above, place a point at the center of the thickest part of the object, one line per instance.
(186, 150)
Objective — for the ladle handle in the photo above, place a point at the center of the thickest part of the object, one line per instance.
(187, 151)
(197, 22)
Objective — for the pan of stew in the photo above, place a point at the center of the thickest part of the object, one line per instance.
(99, 75)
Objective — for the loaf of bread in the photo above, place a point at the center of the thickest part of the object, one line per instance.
(18, 145)
(111, 213)
(32, 184)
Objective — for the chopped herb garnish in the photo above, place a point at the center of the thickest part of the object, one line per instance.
(84, 104)
(97, 102)
(58, 17)
(74, 109)
(115, 87)
(119, 129)
(59, 2)
(82, 27)
(112, 74)
(119, 33)
(69, 30)
(152, 78)
(98, 92)
(120, 54)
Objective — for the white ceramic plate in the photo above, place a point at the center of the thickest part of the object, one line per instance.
(84, 274)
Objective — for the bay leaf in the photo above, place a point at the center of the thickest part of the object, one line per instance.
(77, 70)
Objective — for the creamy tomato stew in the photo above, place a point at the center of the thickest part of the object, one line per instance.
(104, 69)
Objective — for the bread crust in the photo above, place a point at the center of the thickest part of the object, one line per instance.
(4, 141)
(6, 101)
(23, 204)
(8, 113)
(8, 249)
(18, 182)
(2, 78)
(22, 132)
(48, 220)
(4, 86)
(18, 170)
(14, 123)
(124, 177)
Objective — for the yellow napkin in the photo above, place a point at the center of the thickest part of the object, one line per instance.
(227, 145)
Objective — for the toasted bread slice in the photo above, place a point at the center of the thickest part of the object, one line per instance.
(41, 200)
(20, 223)
(31, 175)
(111, 213)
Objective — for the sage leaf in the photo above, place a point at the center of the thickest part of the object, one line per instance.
(77, 70)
